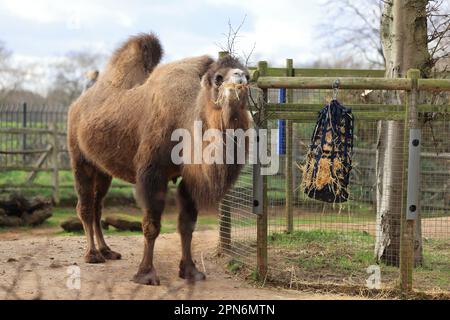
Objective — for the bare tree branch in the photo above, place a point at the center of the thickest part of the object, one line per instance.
(361, 34)
(232, 37)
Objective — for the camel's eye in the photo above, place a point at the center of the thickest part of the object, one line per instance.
(218, 80)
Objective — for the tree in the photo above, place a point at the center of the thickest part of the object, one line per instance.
(400, 35)
(438, 13)
(69, 76)
(11, 78)
(355, 30)
(405, 45)
(230, 44)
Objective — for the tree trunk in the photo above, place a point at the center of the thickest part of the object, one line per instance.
(405, 46)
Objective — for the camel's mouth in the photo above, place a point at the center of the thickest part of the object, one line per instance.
(231, 88)
(231, 92)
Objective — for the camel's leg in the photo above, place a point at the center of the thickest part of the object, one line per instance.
(151, 188)
(84, 174)
(186, 225)
(102, 184)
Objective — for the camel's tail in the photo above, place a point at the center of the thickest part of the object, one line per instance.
(133, 62)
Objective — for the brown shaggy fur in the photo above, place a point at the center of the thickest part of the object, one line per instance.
(132, 62)
(123, 129)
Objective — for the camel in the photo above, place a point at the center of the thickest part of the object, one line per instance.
(121, 127)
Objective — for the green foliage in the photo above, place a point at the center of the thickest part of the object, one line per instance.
(234, 265)
(334, 255)
(319, 249)
(67, 191)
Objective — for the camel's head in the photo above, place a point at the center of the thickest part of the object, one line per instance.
(226, 83)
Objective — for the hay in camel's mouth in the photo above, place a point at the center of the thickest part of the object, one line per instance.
(234, 90)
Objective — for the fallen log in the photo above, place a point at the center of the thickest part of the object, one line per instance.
(18, 211)
(26, 219)
(75, 225)
(10, 222)
(122, 224)
(37, 217)
(17, 204)
(72, 225)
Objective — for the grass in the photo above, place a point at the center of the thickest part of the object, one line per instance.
(234, 265)
(60, 214)
(308, 218)
(311, 218)
(436, 267)
(67, 191)
(114, 232)
(333, 256)
(319, 249)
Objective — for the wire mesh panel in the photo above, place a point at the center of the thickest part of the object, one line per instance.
(433, 270)
(238, 222)
(355, 243)
(330, 244)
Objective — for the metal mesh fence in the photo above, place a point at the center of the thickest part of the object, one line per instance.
(238, 223)
(346, 244)
(30, 117)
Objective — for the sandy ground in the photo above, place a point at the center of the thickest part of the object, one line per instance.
(39, 267)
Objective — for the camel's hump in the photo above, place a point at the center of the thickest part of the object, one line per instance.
(194, 66)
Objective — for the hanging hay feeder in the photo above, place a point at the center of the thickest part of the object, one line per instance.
(328, 164)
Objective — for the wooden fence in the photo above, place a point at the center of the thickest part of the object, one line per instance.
(411, 85)
(33, 139)
(51, 151)
(272, 81)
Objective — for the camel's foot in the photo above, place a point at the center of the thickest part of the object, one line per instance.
(110, 255)
(147, 277)
(189, 272)
(94, 256)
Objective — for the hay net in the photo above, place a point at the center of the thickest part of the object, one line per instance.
(328, 161)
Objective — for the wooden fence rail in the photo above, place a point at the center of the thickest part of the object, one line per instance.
(51, 151)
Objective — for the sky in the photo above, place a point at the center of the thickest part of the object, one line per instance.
(43, 31)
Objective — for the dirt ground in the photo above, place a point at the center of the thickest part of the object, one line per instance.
(39, 267)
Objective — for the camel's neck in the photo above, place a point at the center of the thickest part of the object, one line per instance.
(210, 182)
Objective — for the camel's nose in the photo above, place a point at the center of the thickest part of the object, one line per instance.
(239, 77)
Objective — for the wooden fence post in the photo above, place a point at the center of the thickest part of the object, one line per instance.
(55, 165)
(289, 161)
(24, 135)
(261, 222)
(223, 54)
(411, 185)
(225, 211)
